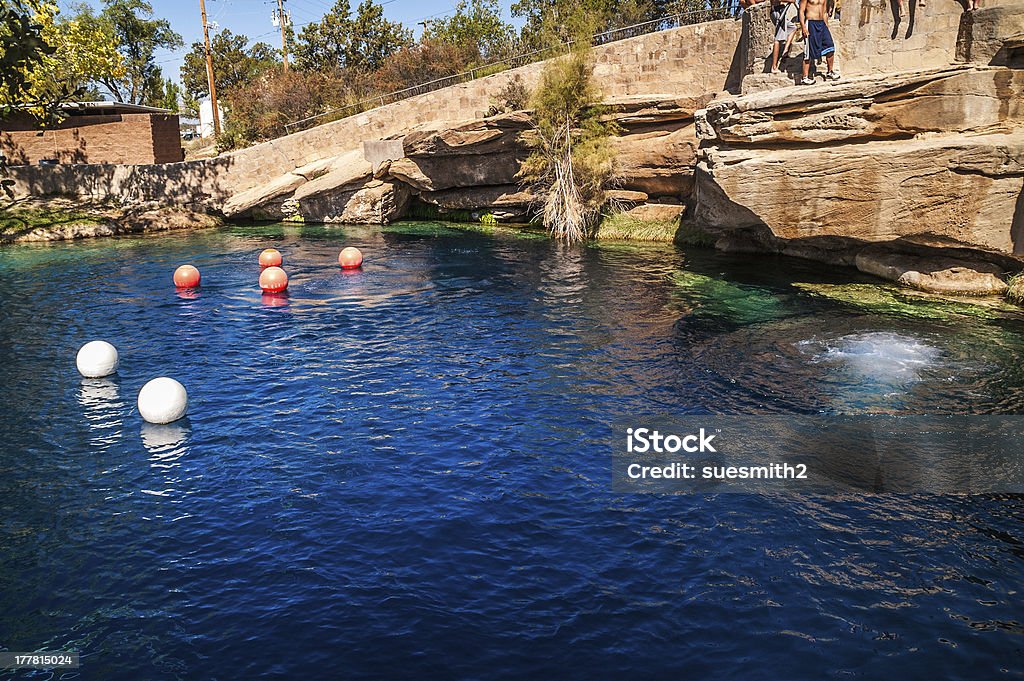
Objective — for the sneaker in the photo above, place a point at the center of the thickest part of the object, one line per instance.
(832, 75)
(807, 81)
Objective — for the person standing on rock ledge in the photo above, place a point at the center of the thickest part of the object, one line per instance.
(786, 18)
(818, 39)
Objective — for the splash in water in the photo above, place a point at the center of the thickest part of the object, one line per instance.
(881, 356)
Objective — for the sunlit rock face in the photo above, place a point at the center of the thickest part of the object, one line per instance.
(473, 167)
(825, 171)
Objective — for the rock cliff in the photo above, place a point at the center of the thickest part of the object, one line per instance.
(472, 168)
(926, 162)
(911, 171)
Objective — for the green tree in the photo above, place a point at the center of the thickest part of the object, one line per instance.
(550, 22)
(170, 94)
(22, 49)
(341, 41)
(69, 55)
(137, 34)
(477, 25)
(235, 63)
(570, 162)
(322, 45)
(375, 38)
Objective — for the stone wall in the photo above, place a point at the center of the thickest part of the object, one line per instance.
(870, 38)
(119, 138)
(687, 61)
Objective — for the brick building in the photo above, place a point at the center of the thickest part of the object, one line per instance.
(96, 132)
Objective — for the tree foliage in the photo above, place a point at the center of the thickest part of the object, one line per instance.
(55, 62)
(235, 63)
(475, 25)
(570, 161)
(259, 110)
(169, 97)
(22, 48)
(341, 41)
(135, 31)
(552, 22)
(428, 61)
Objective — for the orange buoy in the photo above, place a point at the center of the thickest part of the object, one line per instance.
(350, 257)
(186, 276)
(273, 280)
(270, 257)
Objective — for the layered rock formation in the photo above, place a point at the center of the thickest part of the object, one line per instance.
(472, 168)
(927, 162)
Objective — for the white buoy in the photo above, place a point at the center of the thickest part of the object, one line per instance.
(97, 359)
(163, 400)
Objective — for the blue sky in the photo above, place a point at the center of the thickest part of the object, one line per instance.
(252, 18)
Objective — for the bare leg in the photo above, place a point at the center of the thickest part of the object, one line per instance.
(775, 56)
(788, 46)
(830, 60)
(807, 67)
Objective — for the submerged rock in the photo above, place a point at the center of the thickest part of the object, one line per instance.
(934, 273)
(891, 300)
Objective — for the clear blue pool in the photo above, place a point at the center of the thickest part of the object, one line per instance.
(404, 471)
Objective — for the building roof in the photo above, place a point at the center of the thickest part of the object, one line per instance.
(108, 108)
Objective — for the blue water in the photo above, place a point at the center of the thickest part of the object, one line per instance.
(404, 471)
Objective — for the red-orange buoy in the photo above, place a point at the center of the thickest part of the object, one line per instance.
(273, 280)
(270, 257)
(186, 276)
(350, 257)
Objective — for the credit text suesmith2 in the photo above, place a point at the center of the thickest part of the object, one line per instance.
(644, 440)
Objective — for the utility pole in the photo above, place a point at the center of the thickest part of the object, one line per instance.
(209, 71)
(283, 18)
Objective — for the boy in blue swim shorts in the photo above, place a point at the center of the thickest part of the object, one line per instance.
(819, 43)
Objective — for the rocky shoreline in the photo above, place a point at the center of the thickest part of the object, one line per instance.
(61, 219)
(910, 168)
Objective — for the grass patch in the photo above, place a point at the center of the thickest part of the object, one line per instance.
(623, 227)
(1015, 292)
(19, 220)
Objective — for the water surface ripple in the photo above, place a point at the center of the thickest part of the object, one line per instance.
(403, 471)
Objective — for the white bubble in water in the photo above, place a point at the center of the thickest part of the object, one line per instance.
(883, 356)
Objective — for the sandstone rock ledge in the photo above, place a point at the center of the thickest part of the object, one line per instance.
(471, 169)
(62, 220)
(851, 173)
